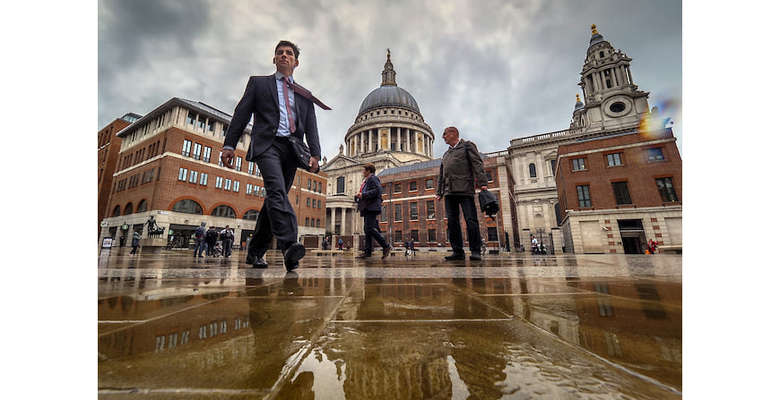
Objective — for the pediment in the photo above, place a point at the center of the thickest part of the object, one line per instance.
(340, 161)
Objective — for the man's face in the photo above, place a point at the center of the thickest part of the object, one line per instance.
(366, 173)
(284, 59)
(450, 137)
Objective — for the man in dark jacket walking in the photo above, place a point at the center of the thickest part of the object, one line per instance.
(461, 166)
(369, 199)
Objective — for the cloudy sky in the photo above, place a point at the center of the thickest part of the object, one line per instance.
(495, 69)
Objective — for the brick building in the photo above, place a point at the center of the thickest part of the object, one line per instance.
(169, 167)
(410, 210)
(619, 191)
(108, 153)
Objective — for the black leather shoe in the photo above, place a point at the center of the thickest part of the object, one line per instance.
(386, 252)
(475, 257)
(455, 256)
(259, 263)
(295, 252)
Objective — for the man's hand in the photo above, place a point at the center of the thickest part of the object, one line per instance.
(359, 195)
(227, 158)
(314, 165)
(483, 188)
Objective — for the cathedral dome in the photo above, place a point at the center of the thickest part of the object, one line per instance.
(389, 96)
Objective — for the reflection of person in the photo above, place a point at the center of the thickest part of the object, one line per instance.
(281, 109)
(136, 241)
(369, 199)
(461, 166)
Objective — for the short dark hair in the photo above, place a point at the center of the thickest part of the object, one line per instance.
(370, 168)
(289, 44)
(452, 128)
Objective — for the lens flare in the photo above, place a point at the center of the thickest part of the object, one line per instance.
(654, 122)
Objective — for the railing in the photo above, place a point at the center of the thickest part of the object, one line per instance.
(547, 136)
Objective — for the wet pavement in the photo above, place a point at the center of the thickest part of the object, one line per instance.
(510, 326)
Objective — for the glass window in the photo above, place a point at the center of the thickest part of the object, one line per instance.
(431, 235)
(552, 166)
(399, 236)
(307, 222)
(196, 151)
(492, 232)
(251, 215)
(583, 195)
(308, 184)
(397, 188)
(413, 210)
(219, 160)
(656, 154)
(429, 183)
(578, 164)
(319, 187)
(614, 159)
(248, 188)
(319, 203)
(186, 147)
(308, 202)
(228, 182)
(236, 185)
(224, 211)
(201, 122)
(621, 193)
(204, 178)
(188, 206)
(141, 206)
(211, 125)
(398, 213)
(666, 189)
(384, 213)
(193, 177)
(489, 175)
(207, 154)
(190, 118)
(250, 168)
(340, 185)
(182, 174)
(219, 182)
(237, 164)
(430, 209)
(532, 170)
(415, 235)
(318, 222)
(412, 186)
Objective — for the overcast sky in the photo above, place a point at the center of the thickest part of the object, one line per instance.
(495, 69)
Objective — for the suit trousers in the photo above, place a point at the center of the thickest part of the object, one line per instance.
(453, 204)
(371, 228)
(277, 217)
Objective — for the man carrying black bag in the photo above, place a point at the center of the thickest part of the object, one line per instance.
(369, 199)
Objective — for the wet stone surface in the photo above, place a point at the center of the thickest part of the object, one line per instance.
(511, 326)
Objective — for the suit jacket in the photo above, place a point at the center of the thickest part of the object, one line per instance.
(371, 196)
(460, 167)
(261, 99)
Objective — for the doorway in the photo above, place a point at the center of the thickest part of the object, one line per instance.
(632, 234)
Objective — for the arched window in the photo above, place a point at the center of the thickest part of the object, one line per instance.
(117, 211)
(251, 215)
(340, 185)
(224, 211)
(128, 209)
(141, 206)
(532, 170)
(188, 206)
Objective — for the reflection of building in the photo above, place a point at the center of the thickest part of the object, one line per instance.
(108, 153)
(389, 131)
(170, 167)
(619, 191)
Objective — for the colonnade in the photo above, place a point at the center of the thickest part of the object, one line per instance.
(405, 139)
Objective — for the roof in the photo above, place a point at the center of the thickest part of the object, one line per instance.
(409, 168)
(389, 96)
(198, 106)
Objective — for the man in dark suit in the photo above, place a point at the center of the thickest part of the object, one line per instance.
(369, 199)
(281, 109)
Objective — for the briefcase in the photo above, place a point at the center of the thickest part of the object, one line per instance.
(302, 152)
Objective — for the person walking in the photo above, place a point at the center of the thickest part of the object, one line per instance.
(282, 108)
(200, 240)
(211, 240)
(461, 168)
(227, 241)
(136, 241)
(369, 199)
(341, 244)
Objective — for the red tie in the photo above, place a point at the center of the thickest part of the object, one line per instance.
(287, 104)
(362, 185)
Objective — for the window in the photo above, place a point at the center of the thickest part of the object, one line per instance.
(532, 170)
(116, 212)
(398, 236)
(182, 174)
(219, 160)
(413, 186)
(190, 118)
(251, 215)
(223, 211)
(188, 206)
(398, 213)
(429, 183)
(578, 164)
(193, 177)
(201, 122)
(207, 154)
(204, 178)
(186, 147)
(492, 232)
(308, 184)
(552, 166)
(666, 189)
(238, 164)
(307, 222)
(319, 203)
(308, 202)
(614, 160)
(583, 195)
(248, 188)
(340, 185)
(431, 235)
(236, 185)
(656, 154)
(224, 129)
(397, 188)
(250, 168)
(319, 187)
(489, 175)
(196, 151)
(413, 210)
(318, 222)
(141, 206)
(211, 125)
(219, 182)
(228, 182)
(415, 235)
(621, 193)
(430, 211)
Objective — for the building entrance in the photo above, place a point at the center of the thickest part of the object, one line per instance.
(632, 234)
(180, 238)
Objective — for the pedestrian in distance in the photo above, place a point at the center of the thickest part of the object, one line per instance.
(226, 236)
(211, 240)
(460, 171)
(283, 115)
(136, 241)
(200, 240)
(341, 244)
(369, 199)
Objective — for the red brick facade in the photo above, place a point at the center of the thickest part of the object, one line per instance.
(108, 154)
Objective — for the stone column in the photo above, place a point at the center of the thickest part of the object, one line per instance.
(603, 81)
(370, 142)
(408, 140)
(333, 220)
(557, 240)
(343, 221)
(630, 77)
(398, 134)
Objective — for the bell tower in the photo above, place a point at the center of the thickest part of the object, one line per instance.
(388, 75)
(612, 99)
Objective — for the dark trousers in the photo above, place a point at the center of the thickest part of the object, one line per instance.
(227, 247)
(453, 204)
(277, 217)
(200, 245)
(371, 228)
